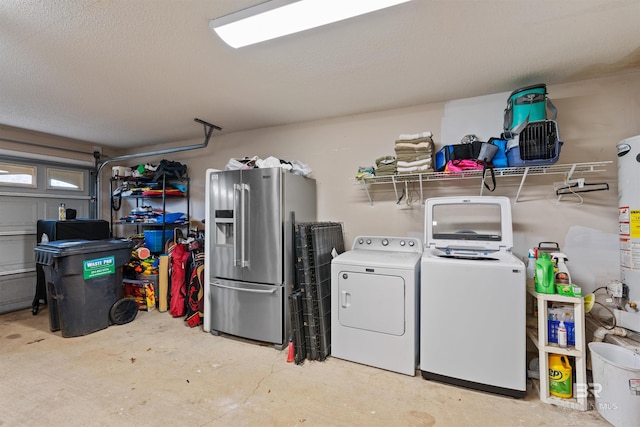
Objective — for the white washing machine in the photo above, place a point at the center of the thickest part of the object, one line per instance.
(374, 303)
(472, 296)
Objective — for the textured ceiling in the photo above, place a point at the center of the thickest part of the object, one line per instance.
(128, 73)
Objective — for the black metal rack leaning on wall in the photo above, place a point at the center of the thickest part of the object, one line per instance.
(163, 196)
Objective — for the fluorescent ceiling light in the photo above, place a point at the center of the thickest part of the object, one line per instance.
(277, 18)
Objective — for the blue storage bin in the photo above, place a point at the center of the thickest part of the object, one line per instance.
(154, 239)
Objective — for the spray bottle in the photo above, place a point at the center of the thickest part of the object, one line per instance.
(562, 278)
(562, 275)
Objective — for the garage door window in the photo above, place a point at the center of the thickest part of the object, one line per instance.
(15, 175)
(61, 179)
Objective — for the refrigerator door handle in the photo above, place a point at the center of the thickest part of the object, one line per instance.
(245, 198)
(254, 291)
(237, 230)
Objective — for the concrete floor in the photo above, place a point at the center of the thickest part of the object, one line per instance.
(157, 371)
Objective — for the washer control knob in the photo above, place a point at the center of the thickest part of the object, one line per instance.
(385, 242)
(345, 276)
(411, 243)
(361, 241)
(402, 243)
(368, 241)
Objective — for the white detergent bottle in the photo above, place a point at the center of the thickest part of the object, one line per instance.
(562, 275)
(562, 335)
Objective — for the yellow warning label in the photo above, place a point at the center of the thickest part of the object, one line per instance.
(634, 223)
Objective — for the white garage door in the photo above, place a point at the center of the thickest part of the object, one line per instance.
(30, 191)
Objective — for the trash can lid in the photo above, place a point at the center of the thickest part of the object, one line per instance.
(78, 246)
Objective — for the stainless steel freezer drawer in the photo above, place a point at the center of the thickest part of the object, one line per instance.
(248, 310)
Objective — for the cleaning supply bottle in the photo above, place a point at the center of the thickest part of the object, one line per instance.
(544, 278)
(562, 275)
(560, 376)
(562, 335)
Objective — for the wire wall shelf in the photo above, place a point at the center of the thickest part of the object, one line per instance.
(402, 180)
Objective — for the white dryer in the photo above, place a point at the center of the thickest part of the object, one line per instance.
(374, 303)
(473, 296)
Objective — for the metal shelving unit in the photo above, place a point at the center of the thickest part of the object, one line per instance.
(523, 172)
(578, 352)
(160, 199)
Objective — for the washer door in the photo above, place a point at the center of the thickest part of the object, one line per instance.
(371, 302)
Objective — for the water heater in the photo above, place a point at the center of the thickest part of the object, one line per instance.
(629, 226)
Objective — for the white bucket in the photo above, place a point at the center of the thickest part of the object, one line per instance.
(616, 383)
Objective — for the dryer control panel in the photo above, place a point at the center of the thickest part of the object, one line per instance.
(383, 243)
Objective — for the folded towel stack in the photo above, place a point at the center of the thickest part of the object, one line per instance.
(414, 153)
(385, 166)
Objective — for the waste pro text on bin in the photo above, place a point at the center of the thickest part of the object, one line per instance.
(93, 268)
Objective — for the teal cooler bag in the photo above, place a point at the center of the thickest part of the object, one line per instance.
(527, 104)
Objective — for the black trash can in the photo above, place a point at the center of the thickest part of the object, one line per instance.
(84, 283)
(89, 229)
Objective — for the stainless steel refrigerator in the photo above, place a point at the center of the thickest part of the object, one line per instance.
(250, 249)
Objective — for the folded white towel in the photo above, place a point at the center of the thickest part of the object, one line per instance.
(414, 169)
(425, 134)
(414, 163)
(413, 145)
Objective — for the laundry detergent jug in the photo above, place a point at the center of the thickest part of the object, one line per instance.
(545, 276)
(560, 376)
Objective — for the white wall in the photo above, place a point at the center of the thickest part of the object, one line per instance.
(592, 116)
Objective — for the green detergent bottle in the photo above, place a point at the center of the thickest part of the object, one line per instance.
(545, 275)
